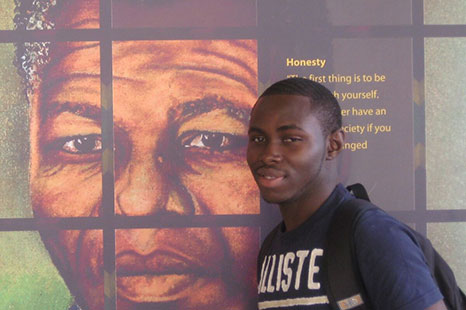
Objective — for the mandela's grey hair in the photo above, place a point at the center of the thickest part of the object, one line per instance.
(31, 57)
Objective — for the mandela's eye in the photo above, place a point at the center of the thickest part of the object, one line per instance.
(83, 144)
(212, 141)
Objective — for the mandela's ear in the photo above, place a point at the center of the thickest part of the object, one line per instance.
(335, 143)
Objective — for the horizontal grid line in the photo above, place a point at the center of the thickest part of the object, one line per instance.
(430, 216)
(361, 31)
(179, 221)
(123, 222)
(71, 35)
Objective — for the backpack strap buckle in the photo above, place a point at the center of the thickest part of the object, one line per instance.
(350, 302)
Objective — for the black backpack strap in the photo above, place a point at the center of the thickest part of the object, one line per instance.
(454, 298)
(358, 191)
(344, 285)
(345, 289)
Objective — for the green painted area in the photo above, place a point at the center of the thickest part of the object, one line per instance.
(448, 239)
(445, 12)
(28, 279)
(445, 110)
(7, 8)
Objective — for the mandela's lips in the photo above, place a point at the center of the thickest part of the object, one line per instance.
(161, 276)
(157, 263)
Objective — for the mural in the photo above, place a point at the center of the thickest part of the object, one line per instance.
(124, 127)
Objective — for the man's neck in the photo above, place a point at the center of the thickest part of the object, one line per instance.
(296, 212)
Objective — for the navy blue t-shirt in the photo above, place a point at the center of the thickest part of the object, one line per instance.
(391, 263)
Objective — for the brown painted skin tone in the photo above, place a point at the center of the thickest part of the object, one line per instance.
(291, 160)
(180, 127)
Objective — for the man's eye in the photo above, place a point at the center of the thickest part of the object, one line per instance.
(83, 144)
(257, 139)
(291, 139)
(213, 141)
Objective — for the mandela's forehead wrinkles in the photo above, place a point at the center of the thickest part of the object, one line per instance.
(61, 50)
(77, 108)
(194, 108)
(235, 59)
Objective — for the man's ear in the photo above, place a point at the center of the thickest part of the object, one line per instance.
(335, 143)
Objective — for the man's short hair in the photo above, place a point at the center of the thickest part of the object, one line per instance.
(323, 103)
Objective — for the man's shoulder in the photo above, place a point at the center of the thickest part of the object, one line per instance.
(377, 220)
(391, 263)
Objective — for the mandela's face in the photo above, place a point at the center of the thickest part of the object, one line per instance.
(180, 133)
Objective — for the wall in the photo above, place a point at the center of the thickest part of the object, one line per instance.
(128, 153)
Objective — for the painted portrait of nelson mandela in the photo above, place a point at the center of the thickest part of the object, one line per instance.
(180, 112)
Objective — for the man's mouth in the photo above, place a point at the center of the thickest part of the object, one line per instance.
(269, 178)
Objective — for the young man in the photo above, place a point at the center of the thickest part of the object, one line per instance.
(295, 137)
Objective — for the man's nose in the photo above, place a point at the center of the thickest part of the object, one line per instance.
(144, 187)
(272, 153)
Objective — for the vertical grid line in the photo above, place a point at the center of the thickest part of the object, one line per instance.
(108, 188)
(419, 115)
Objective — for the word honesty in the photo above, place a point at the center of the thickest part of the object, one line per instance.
(317, 62)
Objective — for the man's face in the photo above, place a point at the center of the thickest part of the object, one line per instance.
(286, 149)
(180, 130)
